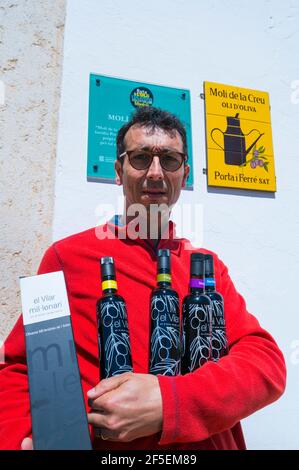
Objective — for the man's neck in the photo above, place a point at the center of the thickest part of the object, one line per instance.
(152, 230)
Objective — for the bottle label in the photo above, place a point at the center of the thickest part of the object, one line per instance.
(219, 340)
(197, 330)
(164, 277)
(197, 283)
(115, 346)
(109, 284)
(165, 335)
(210, 282)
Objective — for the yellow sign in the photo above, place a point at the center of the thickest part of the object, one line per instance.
(239, 138)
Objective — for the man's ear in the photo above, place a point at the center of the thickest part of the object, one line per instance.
(186, 173)
(119, 172)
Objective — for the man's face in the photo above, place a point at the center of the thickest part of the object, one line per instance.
(153, 185)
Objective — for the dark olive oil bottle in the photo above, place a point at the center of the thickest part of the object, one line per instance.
(219, 340)
(165, 336)
(197, 319)
(113, 332)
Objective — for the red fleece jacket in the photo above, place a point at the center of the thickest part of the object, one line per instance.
(201, 410)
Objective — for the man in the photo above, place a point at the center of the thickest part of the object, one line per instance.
(199, 410)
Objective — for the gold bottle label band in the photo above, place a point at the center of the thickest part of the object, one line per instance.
(110, 284)
(164, 277)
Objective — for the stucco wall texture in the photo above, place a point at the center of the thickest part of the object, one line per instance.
(31, 47)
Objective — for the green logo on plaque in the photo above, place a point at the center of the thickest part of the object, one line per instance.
(141, 97)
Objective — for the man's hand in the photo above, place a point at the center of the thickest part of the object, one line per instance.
(27, 444)
(126, 407)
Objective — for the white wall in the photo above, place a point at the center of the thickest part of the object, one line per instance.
(181, 43)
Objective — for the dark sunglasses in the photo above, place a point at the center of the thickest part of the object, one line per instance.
(170, 160)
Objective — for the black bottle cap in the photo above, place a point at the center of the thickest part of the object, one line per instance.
(209, 265)
(164, 260)
(107, 267)
(197, 264)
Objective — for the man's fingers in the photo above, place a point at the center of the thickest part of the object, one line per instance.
(106, 385)
(96, 419)
(27, 444)
(92, 405)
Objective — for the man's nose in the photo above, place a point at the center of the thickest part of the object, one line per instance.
(155, 171)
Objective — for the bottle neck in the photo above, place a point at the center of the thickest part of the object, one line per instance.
(210, 284)
(109, 286)
(164, 280)
(197, 285)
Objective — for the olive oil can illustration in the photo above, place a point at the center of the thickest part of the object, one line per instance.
(239, 138)
(235, 151)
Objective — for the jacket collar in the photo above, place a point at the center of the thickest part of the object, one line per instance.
(168, 240)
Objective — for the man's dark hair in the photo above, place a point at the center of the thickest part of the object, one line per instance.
(152, 118)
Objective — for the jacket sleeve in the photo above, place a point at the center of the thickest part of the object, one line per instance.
(216, 396)
(15, 420)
